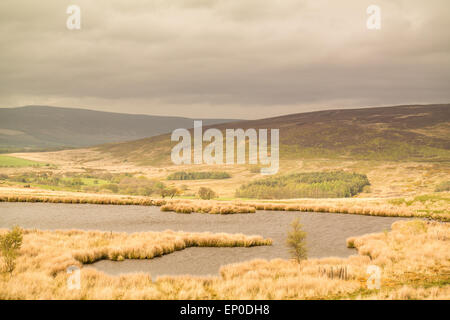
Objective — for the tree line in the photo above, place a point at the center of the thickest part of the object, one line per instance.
(335, 184)
(199, 175)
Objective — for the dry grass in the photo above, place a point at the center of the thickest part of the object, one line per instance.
(437, 210)
(85, 199)
(414, 257)
(411, 293)
(205, 206)
(387, 178)
(369, 207)
(390, 181)
(177, 205)
(45, 255)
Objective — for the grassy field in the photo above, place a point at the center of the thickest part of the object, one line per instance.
(414, 258)
(387, 178)
(396, 188)
(14, 162)
(403, 189)
(95, 182)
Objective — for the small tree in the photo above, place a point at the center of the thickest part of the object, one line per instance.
(10, 244)
(163, 192)
(170, 192)
(206, 193)
(296, 241)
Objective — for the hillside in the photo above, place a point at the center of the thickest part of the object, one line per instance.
(42, 127)
(415, 132)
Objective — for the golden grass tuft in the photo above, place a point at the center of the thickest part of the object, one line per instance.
(45, 256)
(436, 210)
(349, 206)
(206, 206)
(414, 258)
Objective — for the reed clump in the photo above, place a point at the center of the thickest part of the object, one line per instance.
(414, 259)
(54, 251)
(380, 208)
(361, 206)
(211, 207)
(123, 246)
(105, 200)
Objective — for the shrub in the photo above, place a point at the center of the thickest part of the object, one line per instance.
(10, 244)
(91, 181)
(296, 241)
(112, 187)
(206, 193)
(169, 192)
(255, 169)
(443, 186)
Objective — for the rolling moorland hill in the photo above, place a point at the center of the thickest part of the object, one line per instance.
(32, 128)
(413, 132)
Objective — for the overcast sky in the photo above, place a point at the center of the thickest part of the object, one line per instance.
(223, 58)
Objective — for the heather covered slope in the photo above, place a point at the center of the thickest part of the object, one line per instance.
(406, 133)
(42, 127)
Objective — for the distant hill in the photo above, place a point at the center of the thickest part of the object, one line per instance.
(42, 127)
(413, 132)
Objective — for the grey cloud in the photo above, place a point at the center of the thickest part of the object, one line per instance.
(249, 58)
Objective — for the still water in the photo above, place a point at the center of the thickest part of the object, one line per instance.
(326, 232)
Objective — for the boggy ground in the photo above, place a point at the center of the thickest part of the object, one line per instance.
(414, 259)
